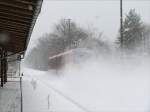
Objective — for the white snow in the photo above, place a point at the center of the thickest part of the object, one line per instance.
(115, 86)
(10, 97)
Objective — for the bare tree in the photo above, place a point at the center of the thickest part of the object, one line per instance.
(65, 36)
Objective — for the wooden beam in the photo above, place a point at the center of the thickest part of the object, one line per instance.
(11, 29)
(13, 26)
(14, 15)
(16, 45)
(15, 19)
(13, 22)
(18, 42)
(19, 39)
(11, 3)
(15, 48)
(18, 12)
(26, 2)
(14, 33)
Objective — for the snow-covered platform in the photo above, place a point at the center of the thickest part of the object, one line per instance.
(113, 88)
(39, 97)
(10, 97)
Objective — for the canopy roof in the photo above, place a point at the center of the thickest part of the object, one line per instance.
(17, 19)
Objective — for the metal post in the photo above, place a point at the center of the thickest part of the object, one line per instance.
(5, 66)
(2, 75)
(20, 75)
(121, 23)
(21, 99)
(69, 24)
(69, 29)
(144, 42)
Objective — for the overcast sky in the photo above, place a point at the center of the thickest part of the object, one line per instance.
(100, 14)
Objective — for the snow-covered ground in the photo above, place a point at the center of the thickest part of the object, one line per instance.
(116, 86)
(10, 97)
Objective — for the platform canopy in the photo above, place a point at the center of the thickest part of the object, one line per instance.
(17, 19)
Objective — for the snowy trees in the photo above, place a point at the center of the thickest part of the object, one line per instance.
(136, 34)
(132, 31)
(69, 33)
(66, 35)
(146, 38)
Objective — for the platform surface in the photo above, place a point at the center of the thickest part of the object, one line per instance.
(10, 97)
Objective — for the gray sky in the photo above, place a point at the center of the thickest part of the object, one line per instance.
(100, 14)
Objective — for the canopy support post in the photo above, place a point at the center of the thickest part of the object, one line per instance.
(2, 67)
(5, 66)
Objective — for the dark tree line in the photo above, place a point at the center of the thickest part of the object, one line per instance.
(65, 36)
(68, 35)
